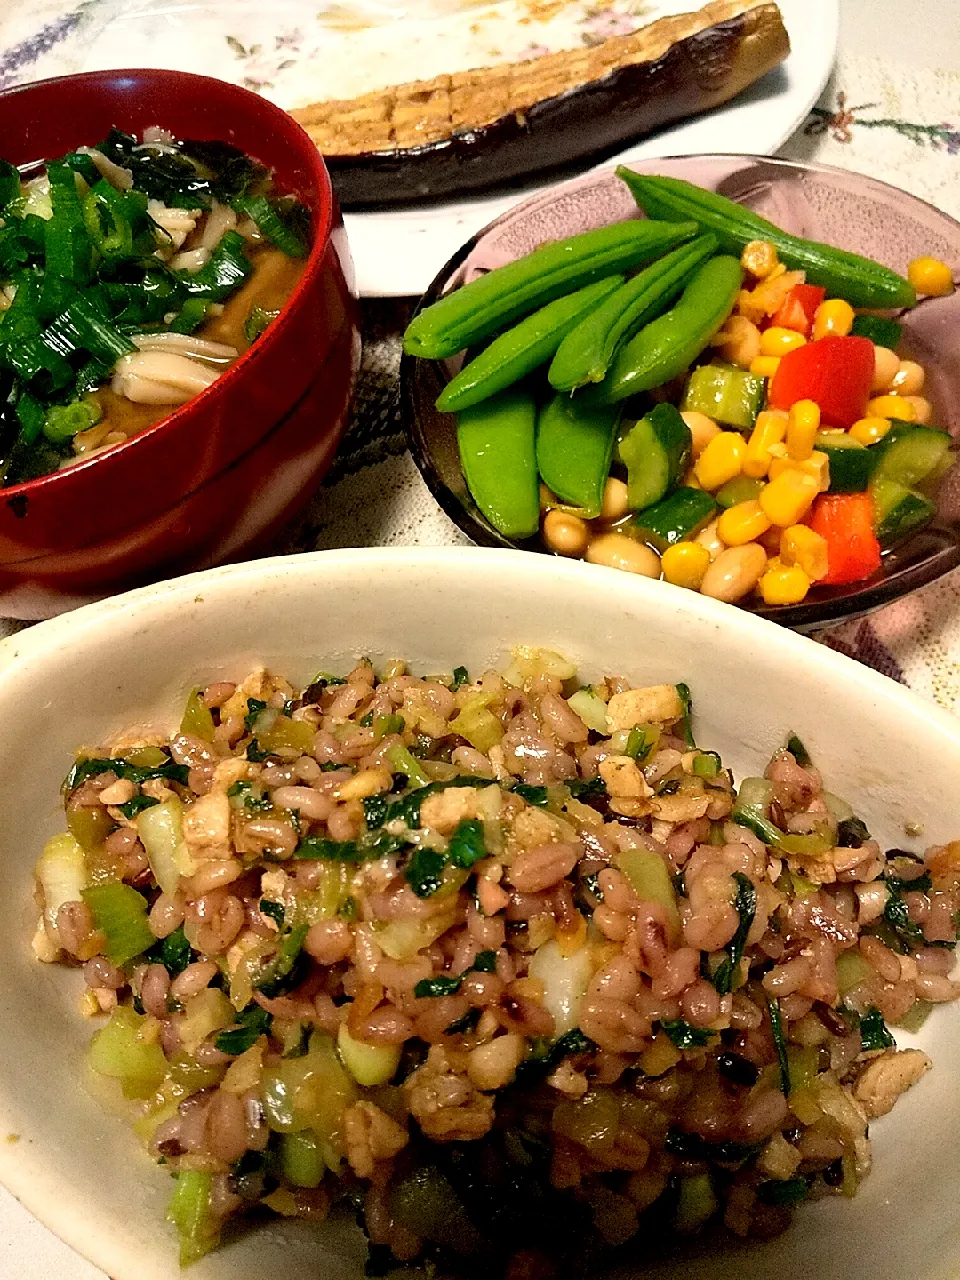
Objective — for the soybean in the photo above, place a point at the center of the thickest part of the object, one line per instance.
(617, 551)
(503, 295)
(587, 352)
(669, 345)
(735, 572)
(523, 348)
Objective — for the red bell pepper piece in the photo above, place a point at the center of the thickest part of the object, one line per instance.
(834, 372)
(798, 308)
(845, 520)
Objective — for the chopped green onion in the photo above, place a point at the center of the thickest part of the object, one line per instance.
(191, 317)
(403, 762)
(69, 253)
(64, 421)
(383, 726)
(120, 914)
(641, 740)
(683, 693)
(272, 224)
(191, 1213)
(257, 322)
(9, 184)
(707, 765)
(224, 271)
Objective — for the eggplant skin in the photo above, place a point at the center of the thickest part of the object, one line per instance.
(695, 73)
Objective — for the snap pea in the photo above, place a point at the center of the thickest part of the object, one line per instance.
(498, 458)
(587, 352)
(574, 447)
(523, 347)
(486, 304)
(862, 282)
(670, 344)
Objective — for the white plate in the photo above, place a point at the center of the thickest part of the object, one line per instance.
(297, 51)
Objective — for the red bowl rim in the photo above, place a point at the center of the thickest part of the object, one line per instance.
(283, 123)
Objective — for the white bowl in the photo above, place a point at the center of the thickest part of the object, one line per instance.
(71, 681)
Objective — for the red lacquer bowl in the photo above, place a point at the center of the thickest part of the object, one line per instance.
(220, 476)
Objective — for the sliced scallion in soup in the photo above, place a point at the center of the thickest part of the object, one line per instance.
(132, 274)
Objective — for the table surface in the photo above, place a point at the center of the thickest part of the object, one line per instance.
(896, 121)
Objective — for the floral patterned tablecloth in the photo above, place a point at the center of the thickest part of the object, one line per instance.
(902, 126)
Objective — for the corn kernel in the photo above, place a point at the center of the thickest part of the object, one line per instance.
(759, 257)
(800, 545)
(770, 429)
(803, 423)
(784, 585)
(834, 318)
(721, 460)
(742, 523)
(930, 276)
(890, 407)
(765, 366)
(870, 430)
(685, 563)
(817, 465)
(787, 499)
(776, 341)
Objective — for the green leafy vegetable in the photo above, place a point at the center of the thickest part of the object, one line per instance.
(136, 804)
(252, 1023)
(798, 751)
(440, 986)
(275, 910)
(485, 962)
(424, 872)
(532, 795)
(466, 843)
(283, 972)
(779, 1044)
(173, 952)
(586, 788)
(851, 833)
(92, 766)
(460, 678)
(788, 1192)
(874, 1033)
(684, 1036)
(746, 906)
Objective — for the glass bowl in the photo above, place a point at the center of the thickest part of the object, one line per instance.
(821, 203)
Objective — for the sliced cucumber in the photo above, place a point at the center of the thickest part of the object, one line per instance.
(656, 452)
(728, 395)
(675, 518)
(909, 453)
(851, 463)
(897, 510)
(739, 489)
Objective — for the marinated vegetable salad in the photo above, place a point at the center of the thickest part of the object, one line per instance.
(734, 417)
(508, 965)
(131, 275)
